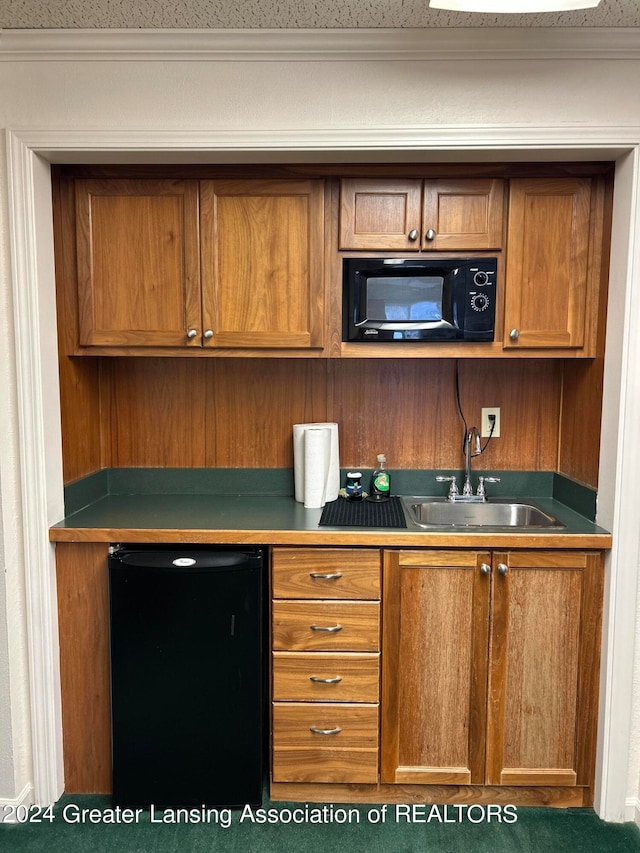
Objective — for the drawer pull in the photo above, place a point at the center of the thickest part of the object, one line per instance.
(331, 629)
(319, 680)
(331, 576)
(316, 731)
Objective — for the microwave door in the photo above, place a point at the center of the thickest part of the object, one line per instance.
(404, 303)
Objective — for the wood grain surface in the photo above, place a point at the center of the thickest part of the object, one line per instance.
(326, 677)
(138, 264)
(434, 667)
(301, 573)
(298, 625)
(537, 653)
(83, 605)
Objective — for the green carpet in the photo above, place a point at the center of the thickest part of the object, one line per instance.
(373, 829)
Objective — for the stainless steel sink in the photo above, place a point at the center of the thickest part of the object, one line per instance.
(431, 512)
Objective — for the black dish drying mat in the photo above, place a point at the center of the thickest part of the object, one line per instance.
(346, 513)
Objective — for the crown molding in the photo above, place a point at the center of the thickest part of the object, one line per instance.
(446, 142)
(306, 45)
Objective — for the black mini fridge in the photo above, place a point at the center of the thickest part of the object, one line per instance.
(187, 684)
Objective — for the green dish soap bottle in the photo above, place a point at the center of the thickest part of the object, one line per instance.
(380, 481)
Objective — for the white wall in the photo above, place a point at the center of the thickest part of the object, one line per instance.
(217, 100)
(270, 95)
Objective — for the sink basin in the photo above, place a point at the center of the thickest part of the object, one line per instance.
(431, 512)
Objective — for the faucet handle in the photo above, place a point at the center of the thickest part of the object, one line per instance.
(480, 492)
(453, 488)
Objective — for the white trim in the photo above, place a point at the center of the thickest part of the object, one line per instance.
(24, 798)
(322, 45)
(632, 810)
(619, 462)
(499, 141)
(24, 148)
(41, 484)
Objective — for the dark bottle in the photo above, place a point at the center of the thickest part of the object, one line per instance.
(354, 486)
(380, 481)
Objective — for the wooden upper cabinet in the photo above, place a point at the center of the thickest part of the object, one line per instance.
(413, 215)
(214, 264)
(551, 294)
(380, 214)
(262, 263)
(240, 266)
(137, 262)
(464, 214)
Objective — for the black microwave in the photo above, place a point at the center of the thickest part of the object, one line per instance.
(416, 299)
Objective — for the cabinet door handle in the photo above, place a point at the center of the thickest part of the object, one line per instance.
(332, 629)
(330, 576)
(514, 334)
(318, 680)
(485, 569)
(430, 235)
(208, 334)
(502, 569)
(413, 235)
(316, 731)
(192, 333)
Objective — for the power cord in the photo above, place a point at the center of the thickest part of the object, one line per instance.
(492, 418)
(459, 404)
(492, 421)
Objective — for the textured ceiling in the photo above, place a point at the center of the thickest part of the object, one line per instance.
(264, 14)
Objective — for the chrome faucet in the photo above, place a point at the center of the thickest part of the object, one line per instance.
(471, 438)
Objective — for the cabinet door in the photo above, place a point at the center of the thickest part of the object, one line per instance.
(138, 262)
(262, 263)
(380, 214)
(547, 260)
(434, 675)
(543, 673)
(462, 215)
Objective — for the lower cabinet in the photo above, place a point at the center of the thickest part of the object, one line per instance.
(487, 673)
(325, 664)
(490, 667)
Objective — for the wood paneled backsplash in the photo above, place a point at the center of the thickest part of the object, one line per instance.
(152, 412)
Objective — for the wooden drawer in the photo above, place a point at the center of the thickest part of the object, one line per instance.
(349, 753)
(326, 677)
(356, 725)
(326, 573)
(352, 626)
(323, 764)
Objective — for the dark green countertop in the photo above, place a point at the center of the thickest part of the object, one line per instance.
(279, 519)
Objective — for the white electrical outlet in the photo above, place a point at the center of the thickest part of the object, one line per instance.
(486, 423)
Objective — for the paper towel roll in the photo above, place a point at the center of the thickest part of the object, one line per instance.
(329, 471)
(298, 460)
(317, 452)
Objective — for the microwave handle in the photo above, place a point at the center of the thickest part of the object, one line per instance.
(391, 326)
